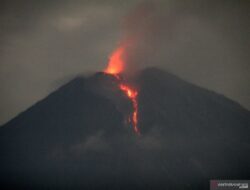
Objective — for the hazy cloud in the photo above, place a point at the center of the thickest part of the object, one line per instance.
(94, 143)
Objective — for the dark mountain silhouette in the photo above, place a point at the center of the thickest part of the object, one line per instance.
(77, 137)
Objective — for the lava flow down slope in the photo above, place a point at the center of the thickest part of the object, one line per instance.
(115, 67)
(151, 131)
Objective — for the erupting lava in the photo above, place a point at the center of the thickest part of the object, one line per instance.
(116, 64)
(115, 67)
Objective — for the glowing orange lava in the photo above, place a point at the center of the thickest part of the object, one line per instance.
(132, 95)
(116, 63)
(115, 67)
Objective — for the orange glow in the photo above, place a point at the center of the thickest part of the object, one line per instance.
(132, 95)
(115, 67)
(116, 63)
(129, 91)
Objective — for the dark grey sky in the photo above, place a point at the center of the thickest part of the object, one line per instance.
(45, 43)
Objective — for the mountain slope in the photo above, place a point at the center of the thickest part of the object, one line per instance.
(77, 138)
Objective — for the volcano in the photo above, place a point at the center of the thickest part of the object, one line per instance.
(79, 137)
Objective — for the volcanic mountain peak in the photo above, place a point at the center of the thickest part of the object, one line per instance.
(79, 137)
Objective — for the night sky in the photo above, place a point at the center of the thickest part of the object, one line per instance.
(43, 44)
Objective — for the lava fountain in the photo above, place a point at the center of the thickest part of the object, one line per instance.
(115, 67)
(116, 63)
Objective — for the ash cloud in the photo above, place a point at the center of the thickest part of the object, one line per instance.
(204, 42)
